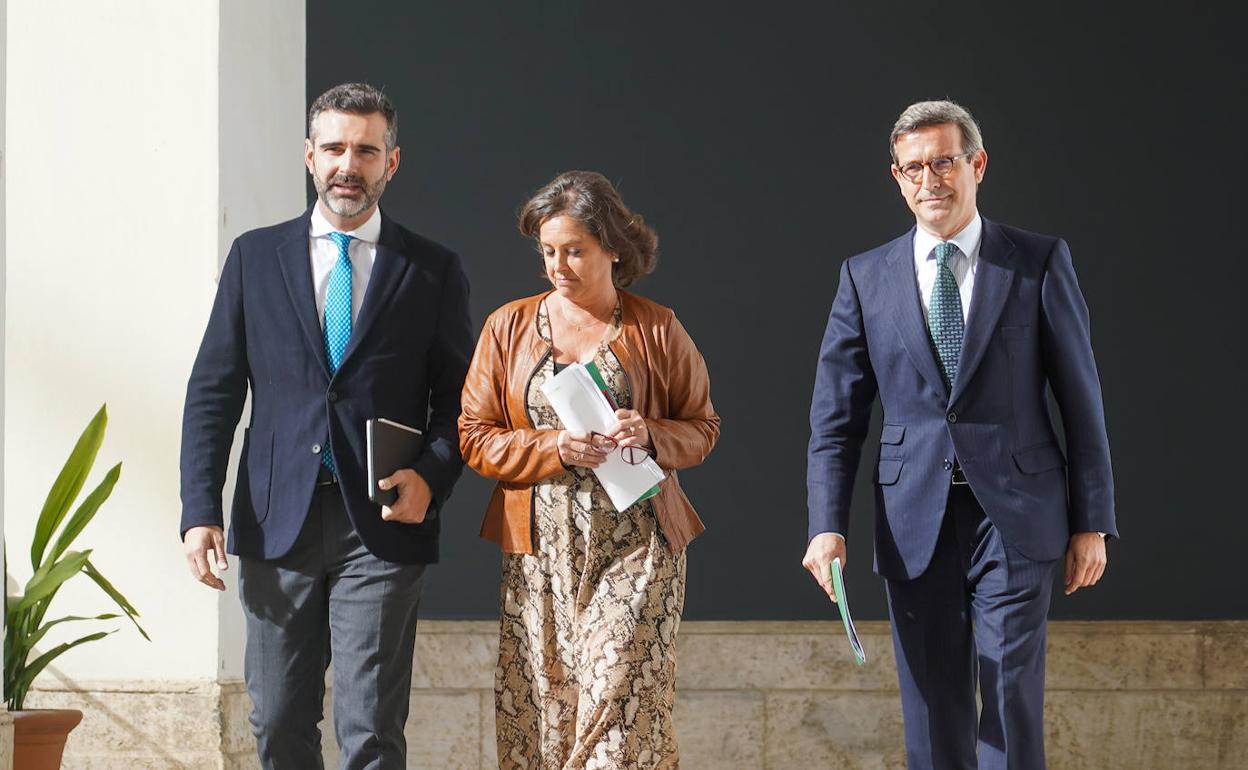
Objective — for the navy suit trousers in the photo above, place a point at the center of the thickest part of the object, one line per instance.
(976, 615)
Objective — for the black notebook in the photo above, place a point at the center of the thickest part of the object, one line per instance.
(391, 446)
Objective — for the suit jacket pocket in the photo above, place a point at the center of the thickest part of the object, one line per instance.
(1038, 459)
(888, 471)
(892, 434)
(260, 472)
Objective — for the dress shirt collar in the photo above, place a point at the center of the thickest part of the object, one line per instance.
(367, 232)
(967, 241)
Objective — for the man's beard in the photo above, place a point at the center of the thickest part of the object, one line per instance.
(349, 207)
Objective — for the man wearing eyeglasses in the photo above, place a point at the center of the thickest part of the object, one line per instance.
(958, 326)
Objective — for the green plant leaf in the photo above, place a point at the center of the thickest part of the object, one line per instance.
(54, 564)
(49, 578)
(37, 636)
(23, 680)
(116, 596)
(86, 512)
(68, 484)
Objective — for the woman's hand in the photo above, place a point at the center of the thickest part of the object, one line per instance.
(630, 430)
(580, 449)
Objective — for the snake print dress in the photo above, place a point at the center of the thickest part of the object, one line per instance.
(587, 644)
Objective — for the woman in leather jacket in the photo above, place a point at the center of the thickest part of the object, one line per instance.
(591, 596)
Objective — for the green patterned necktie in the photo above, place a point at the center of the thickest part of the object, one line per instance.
(944, 315)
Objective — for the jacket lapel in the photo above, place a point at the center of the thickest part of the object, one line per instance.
(389, 267)
(993, 277)
(907, 311)
(295, 262)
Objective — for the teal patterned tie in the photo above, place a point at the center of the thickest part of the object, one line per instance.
(337, 317)
(944, 315)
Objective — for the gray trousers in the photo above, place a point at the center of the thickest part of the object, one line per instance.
(329, 598)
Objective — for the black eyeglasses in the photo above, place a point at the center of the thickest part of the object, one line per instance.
(633, 455)
(941, 167)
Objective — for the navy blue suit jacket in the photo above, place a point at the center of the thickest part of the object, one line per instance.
(406, 359)
(1027, 328)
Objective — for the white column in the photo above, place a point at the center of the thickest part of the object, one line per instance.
(6, 719)
(143, 136)
(262, 119)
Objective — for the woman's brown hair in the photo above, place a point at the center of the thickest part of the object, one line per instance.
(589, 198)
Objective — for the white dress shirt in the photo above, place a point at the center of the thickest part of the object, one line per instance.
(324, 255)
(962, 264)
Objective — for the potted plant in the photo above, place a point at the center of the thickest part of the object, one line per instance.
(39, 736)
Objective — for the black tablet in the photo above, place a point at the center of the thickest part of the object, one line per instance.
(391, 446)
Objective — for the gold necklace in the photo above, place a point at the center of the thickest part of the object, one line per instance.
(578, 326)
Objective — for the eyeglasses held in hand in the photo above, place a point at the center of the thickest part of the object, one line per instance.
(941, 167)
(633, 455)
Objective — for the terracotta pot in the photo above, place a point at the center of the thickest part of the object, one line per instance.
(39, 737)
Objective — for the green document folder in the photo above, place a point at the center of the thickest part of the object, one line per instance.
(842, 606)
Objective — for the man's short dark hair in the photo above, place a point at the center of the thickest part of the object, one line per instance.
(358, 99)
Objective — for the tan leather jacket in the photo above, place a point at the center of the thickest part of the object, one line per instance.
(670, 389)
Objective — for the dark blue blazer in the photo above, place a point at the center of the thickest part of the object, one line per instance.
(406, 360)
(1027, 328)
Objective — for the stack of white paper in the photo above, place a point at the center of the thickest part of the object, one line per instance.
(582, 407)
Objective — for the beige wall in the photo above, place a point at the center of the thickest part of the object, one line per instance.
(750, 695)
(130, 136)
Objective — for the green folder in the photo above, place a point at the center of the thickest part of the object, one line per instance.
(842, 606)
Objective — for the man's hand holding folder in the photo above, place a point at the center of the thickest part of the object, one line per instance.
(825, 557)
(393, 449)
(822, 550)
(414, 497)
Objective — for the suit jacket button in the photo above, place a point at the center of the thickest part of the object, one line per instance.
(316, 449)
(332, 396)
(952, 417)
(947, 465)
